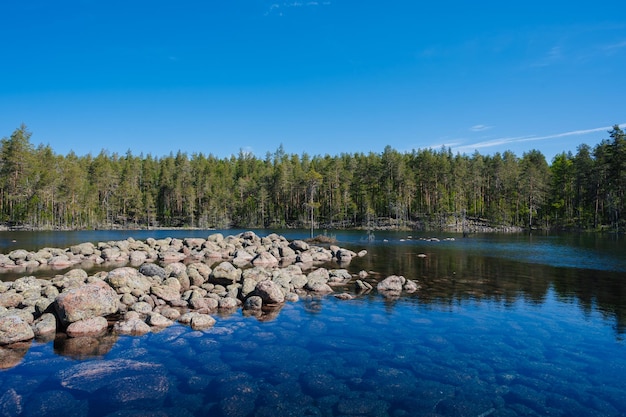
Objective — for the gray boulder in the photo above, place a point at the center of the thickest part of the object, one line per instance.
(299, 245)
(253, 303)
(151, 270)
(95, 326)
(14, 329)
(45, 325)
(393, 283)
(128, 277)
(265, 259)
(270, 292)
(85, 302)
(226, 273)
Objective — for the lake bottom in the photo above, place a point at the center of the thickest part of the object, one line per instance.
(328, 357)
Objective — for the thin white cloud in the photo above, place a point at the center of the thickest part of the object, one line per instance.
(553, 56)
(531, 138)
(277, 8)
(480, 128)
(615, 46)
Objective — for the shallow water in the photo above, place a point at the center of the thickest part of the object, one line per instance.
(504, 325)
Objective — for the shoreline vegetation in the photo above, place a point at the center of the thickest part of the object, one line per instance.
(424, 189)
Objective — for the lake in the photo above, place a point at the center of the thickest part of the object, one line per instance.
(504, 325)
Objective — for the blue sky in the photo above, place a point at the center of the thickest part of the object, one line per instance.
(322, 77)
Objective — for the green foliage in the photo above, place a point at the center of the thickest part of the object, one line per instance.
(425, 187)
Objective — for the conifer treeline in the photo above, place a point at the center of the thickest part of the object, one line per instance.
(426, 187)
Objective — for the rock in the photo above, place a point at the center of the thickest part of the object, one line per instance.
(304, 258)
(411, 286)
(136, 390)
(361, 253)
(95, 326)
(141, 307)
(133, 326)
(128, 277)
(344, 296)
(26, 284)
(270, 292)
(171, 256)
(203, 269)
(195, 278)
(393, 283)
(318, 287)
(299, 246)
(170, 313)
(242, 257)
(85, 249)
(363, 274)
(91, 376)
(201, 321)
(253, 303)
(18, 254)
(45, 325)
(151, 270)
(60, 261)
(287, 253)
(55, 403)
(248, 286)
(226, 273)
(14, 329)
(76, 274)
(10, 299)
(158, 320)
(85, 302)
(138, 257)
(339, 275)
(165, 292)
(175, 269)
(227, 302)
(25, 314)
(11, 403)
(265, 259)
(319, 275)
(362, 285)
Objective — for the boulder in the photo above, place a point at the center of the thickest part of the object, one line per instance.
(253, 303)
(60, 261)
(11, 299)
(201, 321)
(165, 292)
(265, 259)
(45, 325)
(128, 277)
(158, 320)
(85, 302)
(270, 292)
(392, 283)
(227, 302)
(171, 256)
(225, 272)
(90, 376)
(151, 270)
(411, 286)
(14, 329)
(95, 326)
(299, 245)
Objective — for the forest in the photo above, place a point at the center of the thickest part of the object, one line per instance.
(422, 189)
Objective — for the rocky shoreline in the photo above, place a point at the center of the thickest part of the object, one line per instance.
(170, 280)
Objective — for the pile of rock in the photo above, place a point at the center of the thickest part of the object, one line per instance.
(221, 274)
